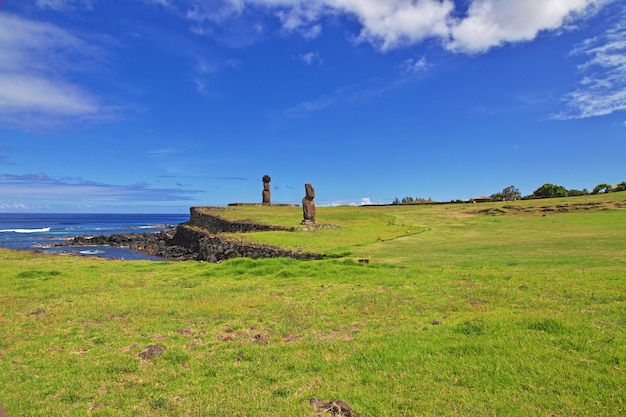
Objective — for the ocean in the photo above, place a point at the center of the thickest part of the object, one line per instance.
(27, 231)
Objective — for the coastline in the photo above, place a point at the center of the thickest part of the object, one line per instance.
(186, 243)
(156, 244)
(204, 237)
(43, 231)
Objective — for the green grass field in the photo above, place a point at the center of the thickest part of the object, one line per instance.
(494, 309)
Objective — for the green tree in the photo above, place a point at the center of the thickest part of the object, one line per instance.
(621, 186)
(511, 193)
(550, 190)
(601, 187)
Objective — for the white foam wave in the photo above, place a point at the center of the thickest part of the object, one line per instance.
(91, 252)
(152, 226)
(43, 230)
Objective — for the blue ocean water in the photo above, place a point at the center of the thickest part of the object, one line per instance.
(25, 231)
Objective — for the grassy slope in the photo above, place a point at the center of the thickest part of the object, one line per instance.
(531, 314)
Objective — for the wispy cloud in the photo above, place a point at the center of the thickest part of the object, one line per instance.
(346, 96)
(205, 68)
(61, 5)
(30, 188)
(305, 108)
(311, 58)
(299, 16)
(415, 66)
(3, 156)
(35, 61)
(352, 94)
(161, 152)
(163, 3)
(230, 178)
(602, 90)
(229, 22)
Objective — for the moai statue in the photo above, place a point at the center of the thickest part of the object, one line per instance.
(266, 189)
(308, 205)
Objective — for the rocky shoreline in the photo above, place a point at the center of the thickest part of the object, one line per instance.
(186, 242)
(152, 244)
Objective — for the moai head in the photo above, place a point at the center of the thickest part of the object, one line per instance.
(310, 192)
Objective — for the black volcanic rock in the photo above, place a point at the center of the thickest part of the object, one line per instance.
(188, 242)
(153, 244)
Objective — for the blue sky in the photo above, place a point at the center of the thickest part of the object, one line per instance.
(159, 105)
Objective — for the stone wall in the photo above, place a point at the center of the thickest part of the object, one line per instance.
(214, 248)
(203, 218)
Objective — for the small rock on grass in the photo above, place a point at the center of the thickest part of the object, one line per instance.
(98, 406)
(151, 351)
(334, 407)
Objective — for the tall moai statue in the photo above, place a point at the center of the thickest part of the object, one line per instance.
(308, 205)
(266, 189)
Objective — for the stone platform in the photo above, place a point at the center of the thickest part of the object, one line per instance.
(263, 204)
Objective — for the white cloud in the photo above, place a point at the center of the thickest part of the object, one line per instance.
(602, 90)
(21, 94)
(35, 59)
(395, 23)
(469, 27)
(349, 202)
(389, 24)
(362, 202)
(492, 23)
(398, 23)
(386, 24)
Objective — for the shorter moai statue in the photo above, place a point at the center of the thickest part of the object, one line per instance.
(308, 205)
(266, 189)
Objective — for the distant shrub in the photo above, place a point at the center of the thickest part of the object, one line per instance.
(550, 190)
(574, 193)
